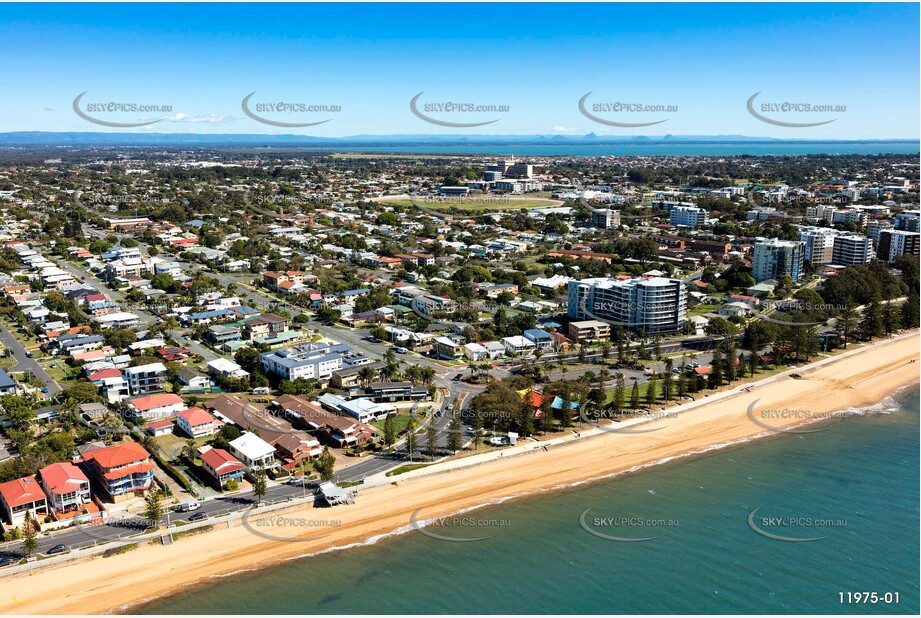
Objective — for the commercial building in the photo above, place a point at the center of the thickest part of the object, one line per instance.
(851, 249)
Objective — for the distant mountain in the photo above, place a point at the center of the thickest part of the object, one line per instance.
(47, 138)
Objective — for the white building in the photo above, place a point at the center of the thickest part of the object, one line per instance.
(518, 345)
(253, 452)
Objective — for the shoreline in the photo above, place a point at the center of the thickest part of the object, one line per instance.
(851, 380)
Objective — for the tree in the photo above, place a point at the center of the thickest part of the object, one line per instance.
(431, 440)
(892, 318)
(619, 393)
(455, 438)
(153, 510)
(260, 483)
(325, 464)
(846, 322)
(715, 379)
(667, 380)
(411, 439)
(635, 396)
(651, 395)
(29, 534)
(872, 324)
(526, 418)
(390, 432)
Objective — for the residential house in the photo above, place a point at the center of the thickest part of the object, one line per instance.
(155, 407)
(66, 486)
(197, 423)
(253, 451)
(144, 379)
(122, 470)
(222, 466)
(19, 496)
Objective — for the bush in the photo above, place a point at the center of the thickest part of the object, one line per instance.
(232, 485)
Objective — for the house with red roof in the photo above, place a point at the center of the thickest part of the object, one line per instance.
(123, 469)
(160, 428)
(197, 423)
(157, 406)
(222, 466)
(66, 486)
(19, 496)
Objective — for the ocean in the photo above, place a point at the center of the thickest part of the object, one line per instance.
(855, 484)
(639, 149)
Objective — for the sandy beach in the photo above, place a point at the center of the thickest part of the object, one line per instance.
(110, 584)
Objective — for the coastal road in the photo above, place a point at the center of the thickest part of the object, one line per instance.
(24, 363)
(123, 528)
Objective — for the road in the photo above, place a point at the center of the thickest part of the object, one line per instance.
(148, 318)
(24, 362)
(122, 528)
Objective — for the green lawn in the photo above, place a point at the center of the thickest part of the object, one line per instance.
(406, 468)
(702, 309)
(400, 423)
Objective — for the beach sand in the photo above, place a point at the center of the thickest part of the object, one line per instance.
(110, 584)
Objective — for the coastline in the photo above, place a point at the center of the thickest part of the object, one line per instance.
(854, 381)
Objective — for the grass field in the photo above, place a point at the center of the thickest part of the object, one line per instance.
(400, 423)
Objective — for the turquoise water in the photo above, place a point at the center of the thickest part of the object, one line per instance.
(644, 149)
(861, 475)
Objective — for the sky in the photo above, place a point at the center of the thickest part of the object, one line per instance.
(697, 64)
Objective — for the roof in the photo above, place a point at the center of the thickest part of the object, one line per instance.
(221, 461)
(21, 491)
(62, 478)
(150, 367)
(123, 472)
(197, 416)
(162, 424)
(111, 372)
(5, 380)
(120, 454)
(252, 446)
(149, 402)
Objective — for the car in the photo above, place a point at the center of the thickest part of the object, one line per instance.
(45, 390)
(400, 350)
(29, 354)
(373, 340)
(57, 549)
(676, 370)
(8, 561)
(198, 517)
(456, 378)
(185, 507)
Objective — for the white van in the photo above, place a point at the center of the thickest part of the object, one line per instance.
(185, 507)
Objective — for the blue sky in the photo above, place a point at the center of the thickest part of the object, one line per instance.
(537, 59)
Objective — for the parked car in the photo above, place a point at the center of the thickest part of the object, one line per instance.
(185, 507)
(8, 561)
(400, 350)
(198, 517)
(57, 549)
(28, 354)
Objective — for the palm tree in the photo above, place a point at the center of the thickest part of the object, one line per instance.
(365, 376)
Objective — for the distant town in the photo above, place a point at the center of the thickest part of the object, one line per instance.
(186, 333)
